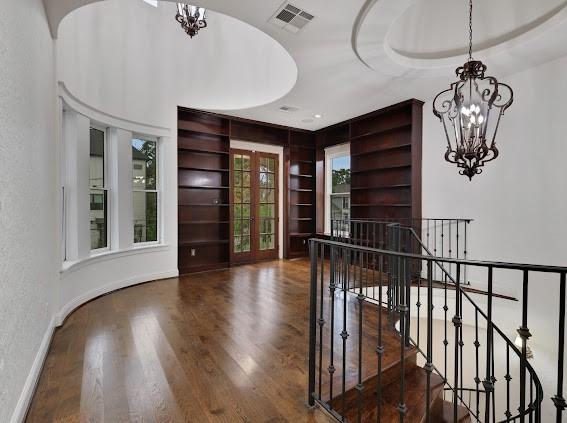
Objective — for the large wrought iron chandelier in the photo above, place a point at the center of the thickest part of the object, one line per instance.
(191, 18)
(470, 111)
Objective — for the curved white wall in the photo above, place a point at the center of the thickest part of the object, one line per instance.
(127, 64)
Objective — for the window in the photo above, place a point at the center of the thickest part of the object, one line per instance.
(98, 190)
(145, 190)
(337, 186)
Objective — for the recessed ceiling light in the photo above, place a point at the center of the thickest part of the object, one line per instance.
(317, 116)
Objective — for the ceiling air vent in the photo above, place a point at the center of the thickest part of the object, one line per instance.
(291, 18)
(289, 109)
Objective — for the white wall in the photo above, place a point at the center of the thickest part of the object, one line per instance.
(518, 203)
(29, 200)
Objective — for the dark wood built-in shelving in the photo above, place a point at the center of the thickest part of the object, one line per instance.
(301, 193)
(385, 150)
(203, 184)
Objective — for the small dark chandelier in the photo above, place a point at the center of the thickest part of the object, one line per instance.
(191, 18)
(470, 111)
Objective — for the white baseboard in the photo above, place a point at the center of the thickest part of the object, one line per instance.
(33, 377)
(113, 286)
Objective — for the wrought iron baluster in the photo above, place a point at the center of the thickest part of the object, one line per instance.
(380, 347)
(461, 343)
(344, 336)
(508, 378)
(530, 406)
(558, 399)
(374, 264)
(321, 321)
(331, 369)
(429, 364)
(487, 383)
(407, 283)
(457, 322)
(477, 377)
(403, 311)
(445, 340)
(312, 322)
(466, 247)
(524, 333)
(360, 386)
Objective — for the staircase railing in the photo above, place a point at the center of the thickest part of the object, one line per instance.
(347, 278)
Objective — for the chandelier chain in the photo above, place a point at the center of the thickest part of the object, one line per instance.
(470, 30)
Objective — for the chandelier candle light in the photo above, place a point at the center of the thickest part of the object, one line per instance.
(191, 18)
(470, 111)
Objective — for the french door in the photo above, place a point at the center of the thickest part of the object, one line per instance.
(254, 206)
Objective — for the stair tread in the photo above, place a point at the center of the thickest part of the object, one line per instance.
(444, 413)
(370, 318)
(414, 397)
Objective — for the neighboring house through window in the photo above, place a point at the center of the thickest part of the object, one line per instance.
(337, 186)
(98, 190)
(145, 190)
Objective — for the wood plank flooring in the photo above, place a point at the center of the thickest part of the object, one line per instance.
(224, 346)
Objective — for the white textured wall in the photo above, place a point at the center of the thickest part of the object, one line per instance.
(29, 226)
(518, 203)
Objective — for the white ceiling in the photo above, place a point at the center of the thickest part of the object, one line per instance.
(405, 48)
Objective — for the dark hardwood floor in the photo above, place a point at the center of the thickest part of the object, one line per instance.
(224, 346)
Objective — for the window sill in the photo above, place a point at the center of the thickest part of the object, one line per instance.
(71, 266)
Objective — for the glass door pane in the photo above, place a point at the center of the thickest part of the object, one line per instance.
(267, 203)
(242, 199)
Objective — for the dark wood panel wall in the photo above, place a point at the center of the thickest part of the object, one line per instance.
(385, 165)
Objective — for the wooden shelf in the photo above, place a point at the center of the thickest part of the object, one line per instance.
(381, 187)
(205, 169)
(194, 131)
(300, 234)
(198, 151)
(380, 150)
(383, 131)
(203, 205)
(201, 187)
(378, 169)
(202, 242)
(301, 176)
(301, 218)
(382, 205)
(301, 204)
(302, 161)
(203, 222)
(301, 189)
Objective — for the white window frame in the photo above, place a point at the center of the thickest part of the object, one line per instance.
(157, 190)
(331, 153)
(104, 129)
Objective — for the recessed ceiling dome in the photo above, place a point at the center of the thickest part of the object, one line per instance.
(437, 29)
(134, 61)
